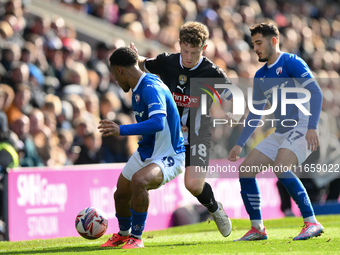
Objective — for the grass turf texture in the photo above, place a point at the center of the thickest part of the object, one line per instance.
(202, 238)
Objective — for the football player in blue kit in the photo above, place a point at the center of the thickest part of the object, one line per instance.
(160, 156)
(296, 134)
(177, 71)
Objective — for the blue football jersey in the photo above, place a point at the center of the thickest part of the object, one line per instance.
(288, 71)
(151, 96)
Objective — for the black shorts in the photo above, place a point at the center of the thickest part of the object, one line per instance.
(197, 154)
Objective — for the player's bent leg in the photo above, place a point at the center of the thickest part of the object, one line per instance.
(147, 178)
(194, 181)
(250, 193)
(122, 198)
(287, 158)
(252, 164)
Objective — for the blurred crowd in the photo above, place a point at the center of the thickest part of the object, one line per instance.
(55, 88)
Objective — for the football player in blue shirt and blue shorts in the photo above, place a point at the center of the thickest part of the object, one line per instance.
(160, 156)
(296, 134)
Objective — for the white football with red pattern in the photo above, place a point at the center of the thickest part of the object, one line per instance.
(91, 223)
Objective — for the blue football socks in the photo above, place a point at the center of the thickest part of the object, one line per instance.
(251, 197)
(298, 192)
(138, 223)
(124, 225)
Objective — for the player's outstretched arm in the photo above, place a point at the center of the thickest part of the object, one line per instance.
(234, 153)
(312, 139)
(141, 59)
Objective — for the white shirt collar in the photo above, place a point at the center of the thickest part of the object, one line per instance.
(139, 81)
(269, 66)
(199, 62)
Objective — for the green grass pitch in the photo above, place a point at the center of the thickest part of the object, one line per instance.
(202, 238)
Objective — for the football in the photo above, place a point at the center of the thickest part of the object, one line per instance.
(91, 223)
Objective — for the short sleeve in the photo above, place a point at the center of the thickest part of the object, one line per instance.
(154, 98)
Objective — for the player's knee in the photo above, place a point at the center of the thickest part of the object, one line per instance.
(138, 182)
(194, 186)
(121, 197)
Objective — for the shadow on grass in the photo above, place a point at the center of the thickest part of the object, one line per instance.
(99, 250)
(56, 250)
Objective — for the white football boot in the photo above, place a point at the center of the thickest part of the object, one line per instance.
(222, 221)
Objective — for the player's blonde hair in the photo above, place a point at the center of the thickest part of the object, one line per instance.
(194, 33)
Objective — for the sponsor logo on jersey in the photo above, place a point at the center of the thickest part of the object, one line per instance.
(181, 89)
(152, 104)
(279, 70)
(140, 114)
(182, 79)
(304, 74)
(185, 100)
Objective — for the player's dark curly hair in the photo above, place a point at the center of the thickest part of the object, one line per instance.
(194, 33)
(266, 29)
(124, 56)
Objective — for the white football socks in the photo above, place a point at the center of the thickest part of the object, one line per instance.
(124, 232)
(258, 224)
(310, 219)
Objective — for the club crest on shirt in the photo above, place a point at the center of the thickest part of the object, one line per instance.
(182, 79)
(137, 98)
(279, 70)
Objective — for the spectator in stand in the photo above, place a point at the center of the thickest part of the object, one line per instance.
(117, 149)
(10, 54)
(54, 57)
(110, 105)
(21, 102)
(99, 63)
(64, 119)
(39, 42)
(78, 108)
(6, 97)
(29, 56)
(76, 74)
(90, 150)
(82, 128)
(28, 156)
(6, 31)
(65, 137)
(9, 159)
(91, 100)
(85, 52)
(41, 135)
